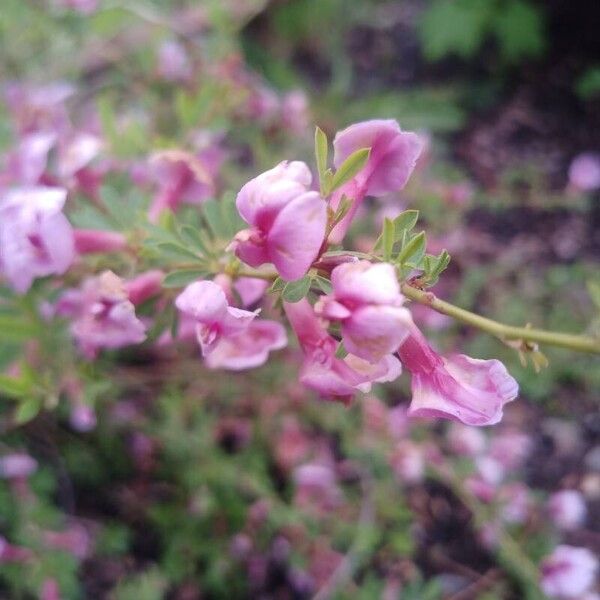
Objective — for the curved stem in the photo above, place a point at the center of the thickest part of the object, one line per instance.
(504, 332)
(507, 333)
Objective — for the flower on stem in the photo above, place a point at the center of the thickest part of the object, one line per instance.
(287, 222)
(366, 300)
(206, 303)
(456, 387)
(36, 239)
(322, 371)
(103, 316)
(584, 172)
(392, 159)
(183, 177)
(568, 572)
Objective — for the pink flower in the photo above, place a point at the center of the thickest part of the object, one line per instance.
(568, 572)
(584, 172)
(144, 286)
(393, 156)
(287, 221)
(322, 371)
(408, 462)
(82, 417)
(567, 509)
(27, 163)
(76, 151)
(36, 239)
(206, 302)
(366, 299)
(250, 349)
(173, 62)
(89, 241)
(458, 387)
(183, 177)
(17, 466)
(510, 448)
(465, 441)
(13, 554)
(516, 502)
(103, 316)
(295, 111)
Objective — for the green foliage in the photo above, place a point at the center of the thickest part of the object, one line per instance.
(588, 84)
(461, 27)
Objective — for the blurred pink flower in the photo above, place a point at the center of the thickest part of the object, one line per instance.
(82, 417)
(295, 112)
(36, 239)
(408, 462)
(102, 314)
(366, 299)
(322, 371)
(40, 108)
(287, 221)
(75, 540)
(144, 286)
(316, 486)
(394, 154)
(206, 303)
(13, 554)
(173, 62)
(568, 572)
(28, 161)
(510, 448)
(516, 502)
(464, 440)
(17, 465)
(50, 590)
(584, 172)
(184, 177)
(457, 387)
(567, 509)
(85, 7)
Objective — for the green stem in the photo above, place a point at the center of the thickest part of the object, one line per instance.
(506, 333)
(579, 343)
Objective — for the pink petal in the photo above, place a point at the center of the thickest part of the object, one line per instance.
(203, 300)
(366, 283)
(374, 331)
(297, 234)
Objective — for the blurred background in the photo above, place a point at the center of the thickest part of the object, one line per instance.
(151, 477)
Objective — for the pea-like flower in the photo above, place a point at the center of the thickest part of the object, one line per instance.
(392, 159)
(287, 222)
(206, 303)
(322, 370)
(36, 239)
(366, 300)
(102, 314)
(568, 572)
(456, 387)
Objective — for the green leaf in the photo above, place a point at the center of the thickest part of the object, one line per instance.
(594, 292)
(341, 351)
(277, 285)
(388, 238)
(14, 327)
(177, 279)
(294, 291)
(519, 29)
(414, 250)
(27, 410)
(350, 167)
(14, 387)
(405, 221)
(193, 237)
(323, 284)
(213, 216)
(321, 151)
(177, 251)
